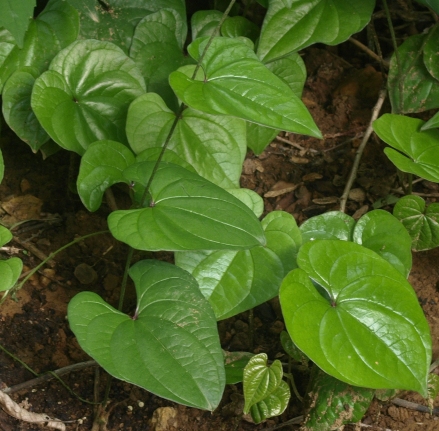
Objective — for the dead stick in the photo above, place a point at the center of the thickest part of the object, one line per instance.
(34, 250)
(375, 112)
(375, 56)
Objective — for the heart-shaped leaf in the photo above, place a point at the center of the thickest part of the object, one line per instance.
(184, 212)
(259, 380)
(291, 25)
(420, 150)
(421, 223)
(215, 146)
(236, 281)
(334, 403)
(236, 83)
(274, 405)
(115, 21)
(85, 94)
(238, 26)
(412, 88)
(330, 225)
(15, 17)
(10, 270)
(17, 111)
(204, 23)
(360, 321)
(169, 347)
(102, 165)
(157, 50)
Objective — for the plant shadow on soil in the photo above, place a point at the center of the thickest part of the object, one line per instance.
(35, 329)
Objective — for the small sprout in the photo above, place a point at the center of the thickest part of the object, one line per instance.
(130, 408)
(140, 404)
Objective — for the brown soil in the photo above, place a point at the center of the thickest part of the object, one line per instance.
(34, 328)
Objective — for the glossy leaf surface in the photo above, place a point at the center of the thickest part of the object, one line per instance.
(84, 96)
(416, 89)
(421, 222)
(204, 22)
(236, 83)
(334, 403)
(274, 405)
(7, 42)
(291, 25)
(236, 281)
(10, 270)
(330, 225)
(260, 380)
(169, 347)
(15, 17)
(102, 165)
(358, 319)
(413, 151)
(184, 212)
(215, 146)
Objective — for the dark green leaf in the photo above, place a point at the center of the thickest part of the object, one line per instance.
(237, 84)
(238, 26)
(291, 25)
(7, 42)
(15, 16)
(421, 223)
(330, 225)
(204, 22)
(234, 363)
(184, 212)
(169, 347)
(364, 325)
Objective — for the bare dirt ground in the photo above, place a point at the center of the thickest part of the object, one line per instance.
(297, 174)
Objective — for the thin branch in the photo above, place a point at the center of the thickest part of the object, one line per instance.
(375, 112)
(372, 54)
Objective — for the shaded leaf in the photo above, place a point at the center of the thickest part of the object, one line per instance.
(184, 212)
(238, 26)
(237, 84)
(291, 25)
(86, 98)
(415, 151)
(421, 222)
(15, 17)
(170, 346)
(384, 343)
(204, 22)
(102, 165)
(291, 349)
(234, 364)
(7, 42)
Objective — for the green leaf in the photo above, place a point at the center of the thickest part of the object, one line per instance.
(184, 212)
(157, 50)
(250, 198)
(17, 111)
(238, 26)
(291, 349)
(434, 4)
(236, 281)
(381, 232)
(291, 25)
(214, 146)
(420, 150)
(421, 223)
(5, 234)
(234, 364)
(258, 137)
(10, 270)
(2, 167)
(430, 54)
(237, 84)
(15, 17)
(362, 323)
(432, 123)
(7, 42)
(170, 346)
(330, 225)
(415, 90)
(274, 405)
(204, 23)
(334, 403)
(85, 94)
(40, 46)
(115, 20)
(259, 380)
(102, 165)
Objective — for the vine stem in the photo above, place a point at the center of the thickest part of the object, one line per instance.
(183, 106)
(375, 112)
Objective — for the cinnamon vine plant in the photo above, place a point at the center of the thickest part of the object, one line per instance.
(113, 83)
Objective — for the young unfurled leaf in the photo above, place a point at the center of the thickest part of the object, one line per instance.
(236, 83)
(236, 281)
(291, 25)
(85, 98)
(421, 222)
(413, 151)
(184, 212)
(170, 346)
(330, 315)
